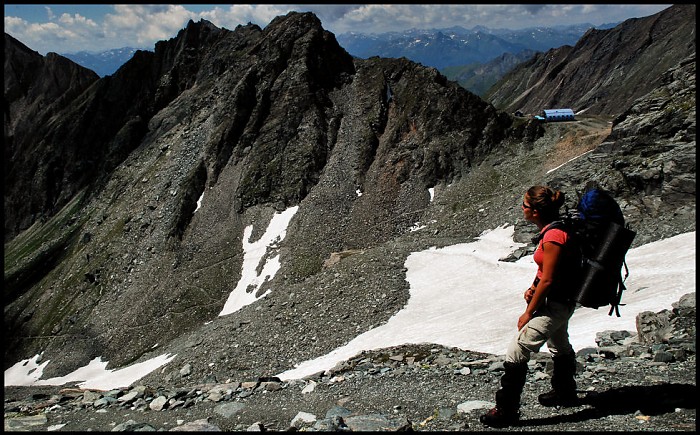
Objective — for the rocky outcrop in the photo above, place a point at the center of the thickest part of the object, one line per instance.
(90, 132)
(37, 89)
(649, 159)
(246, 123)
(606, 71)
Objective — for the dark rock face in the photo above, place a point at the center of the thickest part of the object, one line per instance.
(607, 69)
(649, 160)
(37, 88)
(251, 122)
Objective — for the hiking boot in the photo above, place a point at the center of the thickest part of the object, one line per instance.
(556, 399)
(563, 391)
(498, 417)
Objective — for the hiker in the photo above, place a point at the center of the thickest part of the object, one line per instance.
(546, 317)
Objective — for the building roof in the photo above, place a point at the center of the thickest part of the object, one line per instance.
(558, 112)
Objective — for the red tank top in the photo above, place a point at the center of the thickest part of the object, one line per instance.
(555, 235)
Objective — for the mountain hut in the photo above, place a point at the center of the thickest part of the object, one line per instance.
(558, 115)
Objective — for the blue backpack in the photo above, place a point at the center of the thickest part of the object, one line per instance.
(598, 244)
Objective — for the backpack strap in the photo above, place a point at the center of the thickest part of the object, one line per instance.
(620, 288)
(550, 226)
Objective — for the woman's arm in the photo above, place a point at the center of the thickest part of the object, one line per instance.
(550, 260)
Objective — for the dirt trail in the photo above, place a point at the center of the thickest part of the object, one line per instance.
(576, 137)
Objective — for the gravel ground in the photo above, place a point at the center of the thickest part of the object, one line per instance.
(431, 394)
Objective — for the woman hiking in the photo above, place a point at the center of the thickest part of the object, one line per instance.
(546, 317)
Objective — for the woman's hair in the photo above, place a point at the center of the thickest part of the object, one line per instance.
(546, 201)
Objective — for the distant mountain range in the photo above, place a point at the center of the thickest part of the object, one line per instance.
(438, 48)
(456, 46)
(475, 58)
(103, 63)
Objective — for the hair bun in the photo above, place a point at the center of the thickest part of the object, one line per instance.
(558, 198)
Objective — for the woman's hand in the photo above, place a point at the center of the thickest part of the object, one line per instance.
(523, 319)
(529, 293)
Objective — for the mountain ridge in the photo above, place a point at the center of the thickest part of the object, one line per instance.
(457, 46)
(263, 144)
(252, 122)
(570, 76)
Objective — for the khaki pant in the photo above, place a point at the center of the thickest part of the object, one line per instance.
(550, 325)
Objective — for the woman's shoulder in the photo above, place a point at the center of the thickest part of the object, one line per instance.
(556, 235)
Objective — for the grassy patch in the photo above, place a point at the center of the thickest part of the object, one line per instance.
(32, 254)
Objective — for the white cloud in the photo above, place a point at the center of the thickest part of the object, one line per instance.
(146, 24)
(49, 13)
(15, 25)
(76, 20)
(142, 26)
(382, 18)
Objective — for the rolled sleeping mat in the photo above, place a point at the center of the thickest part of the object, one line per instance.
(614, 244)
(601, 273)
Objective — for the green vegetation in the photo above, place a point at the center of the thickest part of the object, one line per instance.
(33, 253)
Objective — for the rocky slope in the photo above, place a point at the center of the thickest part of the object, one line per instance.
(251, 122)
(605, 71)
(640, 380)
(128, 270)
(37, 88)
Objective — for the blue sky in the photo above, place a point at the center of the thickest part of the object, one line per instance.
(65, 28)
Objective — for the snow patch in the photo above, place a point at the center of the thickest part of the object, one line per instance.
(246, 289)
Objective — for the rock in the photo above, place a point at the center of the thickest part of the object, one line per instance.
(611, 338)
(331, 424)
(653, 327)
(309, 388)
(663, 356)
(377, 423)
(27, 423)
(255, 427)
(128, 397)
(133, 426)
(158, 403)
(338, 411)
(474, 404)
(104, 401)
(228, 410)
(302, 418)
(186, 370)
(89, 397)
(271, 386)
(687, 301)
(201, 425)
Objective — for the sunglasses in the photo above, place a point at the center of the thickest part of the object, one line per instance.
(527, 206)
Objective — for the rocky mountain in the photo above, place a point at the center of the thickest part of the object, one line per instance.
(127, 212)
(104, 63)
(480, 77)
(102, 198)
(456, 46)
(605, 71)
(36, 89)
